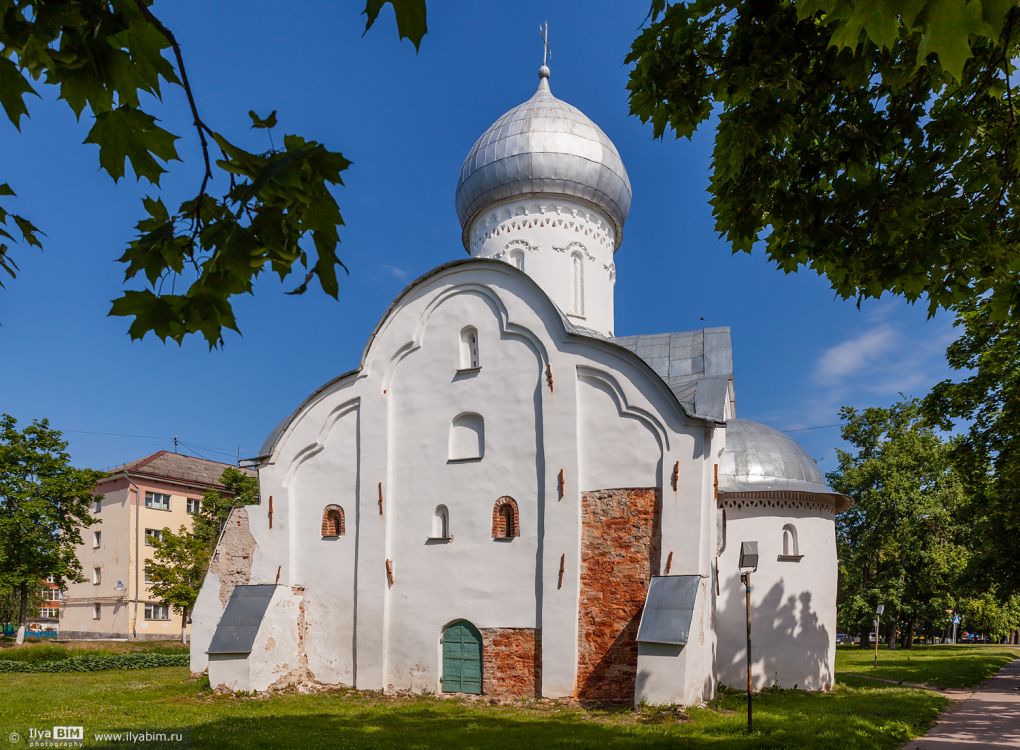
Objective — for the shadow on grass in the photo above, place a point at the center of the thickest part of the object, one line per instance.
(849, 717)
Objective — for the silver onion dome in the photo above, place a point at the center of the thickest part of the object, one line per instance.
(758, 458)
(543, 146)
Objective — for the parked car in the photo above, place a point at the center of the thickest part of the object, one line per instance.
(842, 638)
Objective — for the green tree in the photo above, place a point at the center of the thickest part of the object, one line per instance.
(904, 543)
(112, 60)
(874, 142)
(987, 403)
(177, 568)
(181, 558)
(44, 504)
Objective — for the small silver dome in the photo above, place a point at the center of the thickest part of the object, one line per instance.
(758, 458)
(543, 146)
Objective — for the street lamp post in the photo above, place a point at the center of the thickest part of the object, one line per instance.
(879, 611)
(748, 564)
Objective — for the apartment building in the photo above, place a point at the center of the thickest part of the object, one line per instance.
(137, 501)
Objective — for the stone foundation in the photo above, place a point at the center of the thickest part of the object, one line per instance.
(511, 662)
(620, 548)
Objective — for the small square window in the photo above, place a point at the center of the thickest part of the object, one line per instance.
(157, 612)
(152, 536)
(97, 576)
(97, 505)
(194, 505)
(148, 574)
(157, 501)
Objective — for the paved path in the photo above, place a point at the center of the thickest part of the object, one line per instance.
(988, 717)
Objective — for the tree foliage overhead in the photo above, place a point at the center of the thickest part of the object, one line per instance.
(112, 60)
(874, 142)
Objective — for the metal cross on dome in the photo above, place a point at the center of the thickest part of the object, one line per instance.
(543, 31)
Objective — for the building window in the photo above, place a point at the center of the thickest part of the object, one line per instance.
(97, 611)
(517, 258)
(791, 546)
(49, 612)
(577, 284)
(469, 359)
(157, 611)
(467, 437)
(97, 576)
(333, 522)
(97, 539)
(441, 523)
(51, 579)
(194, 505)
(54, 595)
(506, 523)
(157, 501)
(148, 573)
(152, 536)
(97, 505)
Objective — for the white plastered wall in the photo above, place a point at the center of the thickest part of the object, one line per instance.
(387, 424)
(793, 604)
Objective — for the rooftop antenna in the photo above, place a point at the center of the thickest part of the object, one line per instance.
(175, 443)
(543, 31)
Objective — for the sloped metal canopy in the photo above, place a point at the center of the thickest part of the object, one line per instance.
(669, 610)
(240, 622)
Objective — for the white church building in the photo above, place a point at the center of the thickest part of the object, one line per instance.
(506, 498)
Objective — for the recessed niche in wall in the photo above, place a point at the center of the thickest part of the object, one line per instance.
(469, 357)
(467, 437)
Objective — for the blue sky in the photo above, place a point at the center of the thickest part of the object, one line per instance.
(406, 120)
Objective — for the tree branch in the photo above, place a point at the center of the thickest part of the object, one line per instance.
(200, 126)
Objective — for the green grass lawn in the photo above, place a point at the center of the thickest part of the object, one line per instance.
(859, 713)
(937, 666)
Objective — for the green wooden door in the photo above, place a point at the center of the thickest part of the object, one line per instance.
(462, 659)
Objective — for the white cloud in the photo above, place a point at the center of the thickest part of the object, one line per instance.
(400, 274)
(849, 358)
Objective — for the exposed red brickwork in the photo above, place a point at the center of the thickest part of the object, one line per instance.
(500, 517)
(333, 521)
(511, 662)
(620, 545)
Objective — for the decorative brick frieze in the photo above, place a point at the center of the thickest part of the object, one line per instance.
(620, 550)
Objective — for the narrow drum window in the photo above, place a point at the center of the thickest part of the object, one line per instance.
(517, 259)
(469, 359)
(332, 522)
(577, 285)
(791, 546)
(467, 437)
(441, 523)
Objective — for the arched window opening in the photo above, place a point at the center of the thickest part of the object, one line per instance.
(333, 522)
(517, 259)
(469, 359)
(441, 523)
(791, 546)
(577, 285)
(506, 522)
(467, 437)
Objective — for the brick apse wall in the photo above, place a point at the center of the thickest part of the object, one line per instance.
(511, 662)
(620, 548)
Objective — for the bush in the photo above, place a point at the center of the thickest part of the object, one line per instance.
(93, 661)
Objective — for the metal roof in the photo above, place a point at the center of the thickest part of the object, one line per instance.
(237, 628)
(758, 459)
(543, 146)
(669, 610)
(175, 467)
(696, 365)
